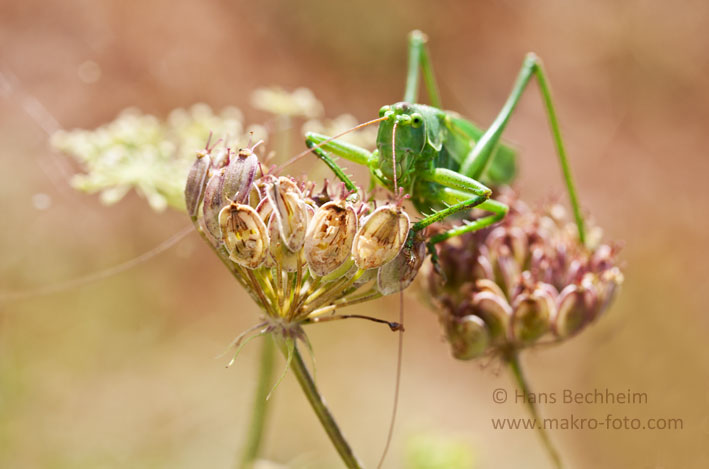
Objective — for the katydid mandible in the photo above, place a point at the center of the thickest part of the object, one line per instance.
(443, 161)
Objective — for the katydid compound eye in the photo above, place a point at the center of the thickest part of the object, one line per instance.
(383, 110)
(416, 120)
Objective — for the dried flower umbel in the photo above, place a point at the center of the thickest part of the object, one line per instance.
(301, 254)
(523, 282)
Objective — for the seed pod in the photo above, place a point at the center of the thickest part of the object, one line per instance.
(571, 312)
(495, 311)
(244, 234)
(398, 274)
(468, 337)
(196, 180)
(381, 237)
(213, 203)
(329, 238)
(239, 175)
(531, 316)
(291, 213)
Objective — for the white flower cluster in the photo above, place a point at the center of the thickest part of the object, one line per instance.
(139, 151)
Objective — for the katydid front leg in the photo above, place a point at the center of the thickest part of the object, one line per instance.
(349, 152)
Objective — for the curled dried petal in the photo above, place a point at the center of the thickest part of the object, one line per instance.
(196, 181)
(328, 241)
(381, 237)
(264, 210)
(290, 210)
(244, 234)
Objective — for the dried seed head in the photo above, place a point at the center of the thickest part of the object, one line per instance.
(292, 250)
(381, 237)
(290, 211)
(398, 274)
(468, 337)
(244, 234)
(526, 278)
(328, 241)
(239, 175)
(213, 203)
(196, 181)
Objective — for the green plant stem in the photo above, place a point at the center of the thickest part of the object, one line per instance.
(254, 436)
(516, 368)
(316, 401)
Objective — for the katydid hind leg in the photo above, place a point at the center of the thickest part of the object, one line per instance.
(479, 157)
(498, 212)
(459, 192)
(419, 61)
(471, 194)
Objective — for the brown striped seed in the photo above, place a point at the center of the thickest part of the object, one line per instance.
(329, 238)
(381, 237)
(244, 234)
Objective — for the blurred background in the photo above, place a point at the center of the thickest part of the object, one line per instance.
(121, 372)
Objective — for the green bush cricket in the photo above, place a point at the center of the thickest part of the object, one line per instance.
(443, 161)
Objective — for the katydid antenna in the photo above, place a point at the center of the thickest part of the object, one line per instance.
(325, 142)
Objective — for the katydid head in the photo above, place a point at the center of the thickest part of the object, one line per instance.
(405, 139)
